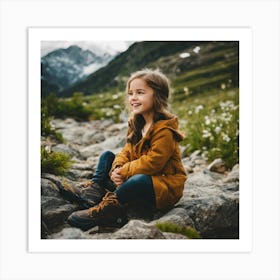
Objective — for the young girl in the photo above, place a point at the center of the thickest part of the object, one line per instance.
(149, 167)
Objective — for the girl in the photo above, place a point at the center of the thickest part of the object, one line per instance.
(148, 168)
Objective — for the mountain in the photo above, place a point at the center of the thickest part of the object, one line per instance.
(62, 68)
(198, 64)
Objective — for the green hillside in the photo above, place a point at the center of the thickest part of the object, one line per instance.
(214, 64)
(137, 56)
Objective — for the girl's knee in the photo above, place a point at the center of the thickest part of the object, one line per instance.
(141, 178)
(107, 154)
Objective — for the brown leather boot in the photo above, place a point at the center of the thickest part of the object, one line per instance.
(87, 194)
(109, 212)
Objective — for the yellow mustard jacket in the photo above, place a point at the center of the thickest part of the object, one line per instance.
(157, 154)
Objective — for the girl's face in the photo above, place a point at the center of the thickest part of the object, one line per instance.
(141, 98)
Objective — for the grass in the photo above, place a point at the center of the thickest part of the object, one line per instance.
(106, 105)
(189, 232)
(56, 163)
(211, 124)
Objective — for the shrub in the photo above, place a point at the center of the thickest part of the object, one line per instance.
(188, 231)
(62, 108)
(46, 129)
(215, 130)
(57, 163)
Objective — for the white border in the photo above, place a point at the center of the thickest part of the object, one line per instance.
(262, 16)
(243, 35)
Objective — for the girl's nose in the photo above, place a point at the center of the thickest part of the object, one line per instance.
(133, 96)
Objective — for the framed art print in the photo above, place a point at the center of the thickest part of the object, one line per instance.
(82, 102)
(65, 67)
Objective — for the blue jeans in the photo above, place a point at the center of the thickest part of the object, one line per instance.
(137, 188)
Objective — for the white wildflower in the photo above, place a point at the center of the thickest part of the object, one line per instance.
(207, 120)
(198, 108)
(226, 137)
(190, 112)
(217, 129)
(196, 49)
(223, 115)
(227, 105)
(184, 55)
(226, 117)
(186, 91)
(48, 149)
(206, 134)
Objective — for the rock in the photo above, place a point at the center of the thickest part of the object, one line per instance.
(70, 233)
(82, 133)
(136, 229)
(65, 149)
(233, 176)
(194, 155)
(49, 188)
(171, 235)
(73, 135)
(96, 149)
(92, 137)
(54, 218)
(74, 174)
(80, 171)
(54, 209)
(195, 162)
(83, 166)
(62, 124)
(218, 165)
(92, 150)
(212, 205)
(178, 216)
(116, 128)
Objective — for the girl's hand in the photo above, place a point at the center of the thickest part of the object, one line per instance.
(116, 177)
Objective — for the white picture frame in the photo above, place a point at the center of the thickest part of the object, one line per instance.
(16, 259)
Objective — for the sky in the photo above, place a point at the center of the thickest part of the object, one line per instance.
(97, 47)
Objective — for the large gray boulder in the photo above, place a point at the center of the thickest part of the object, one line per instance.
(212, 203)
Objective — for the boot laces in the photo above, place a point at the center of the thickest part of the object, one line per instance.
(87, 184)
(109, 199)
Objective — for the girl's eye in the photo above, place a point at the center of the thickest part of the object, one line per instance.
(138, 92)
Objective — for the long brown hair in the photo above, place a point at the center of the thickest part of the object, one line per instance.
(161, 87)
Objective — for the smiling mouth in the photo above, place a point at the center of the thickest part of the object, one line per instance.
(135, 105)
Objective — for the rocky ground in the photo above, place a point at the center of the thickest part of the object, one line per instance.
(210, 203)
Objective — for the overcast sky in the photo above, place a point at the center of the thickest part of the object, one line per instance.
(98, 47)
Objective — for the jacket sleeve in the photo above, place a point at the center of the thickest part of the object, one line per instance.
(122, 157)
(162, 147)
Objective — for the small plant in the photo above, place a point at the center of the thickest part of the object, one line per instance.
(214, 129)
(56, 163)
(189, 232)
(46, 128)
(62, 108)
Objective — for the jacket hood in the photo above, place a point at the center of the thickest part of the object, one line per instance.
(172, 124)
